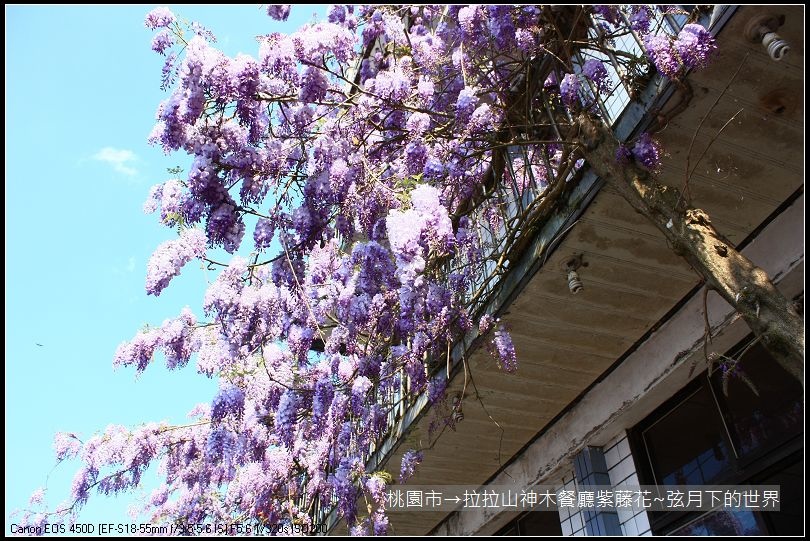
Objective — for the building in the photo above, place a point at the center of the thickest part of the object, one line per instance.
(612, 386)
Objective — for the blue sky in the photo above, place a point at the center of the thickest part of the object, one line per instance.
(82, 87)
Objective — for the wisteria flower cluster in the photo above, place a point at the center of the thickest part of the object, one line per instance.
(693, 48)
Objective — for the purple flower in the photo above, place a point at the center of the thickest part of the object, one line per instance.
(595, 71)
(170, 198)
(436, 389)
(466, 102)
(425, 89)
(525, 39)
(359, 530)
(569, 90)
(659, 49)
(482, 118)
(138, 351)
(375, 487)
(177, 339)
(299, 339)
(607, 12)
(159, 18)
(410, 460)
(314, 41)
(467, 19)
(36, 497)
(263, 234)
(504, 350)
(324, 393)
(279, 12)
(486, 323)
(203, 32)
(379, 522)
(82, 482)
(314, 85)
(340, 174)
(647, 152)
(229, 401)
(360, 189)
(427, 199)
(412, 232)
(695, 45)
(623, 155)
(640, 19)
(417, 124)
(66, 445)
(277, 56)
(394, 28)
(501, 25)
(287, 417)
(170, 257)
(225, 227)
(219, 445)
(153, 199)
(415, 156)
(191, 209)
(374, 27)
(360, 388)
(159, 496)
(434, 169)
(162, 41)
(391, 84)
(336, 14)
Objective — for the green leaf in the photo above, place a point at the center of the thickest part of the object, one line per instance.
(385, 476)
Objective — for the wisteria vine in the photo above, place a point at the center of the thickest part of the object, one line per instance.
(368, 178)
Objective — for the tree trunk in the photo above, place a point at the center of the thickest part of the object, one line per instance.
(772, 317)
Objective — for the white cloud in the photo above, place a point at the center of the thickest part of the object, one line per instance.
(118, 159)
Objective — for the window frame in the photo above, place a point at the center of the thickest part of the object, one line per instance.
(749, 468)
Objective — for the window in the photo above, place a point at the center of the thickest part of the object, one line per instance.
(724, 522)
(743, 423)
(534, 523)
(763, 416)
(701, 458)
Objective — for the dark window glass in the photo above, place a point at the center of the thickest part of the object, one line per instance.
(534, 523)
(759, 420)
(725, 522)
(510, 530)
(540, 523)
(789, 520)
(687, 446)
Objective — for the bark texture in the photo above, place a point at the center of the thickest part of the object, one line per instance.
(771, 316)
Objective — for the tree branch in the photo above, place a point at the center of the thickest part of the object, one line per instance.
(742, 284)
